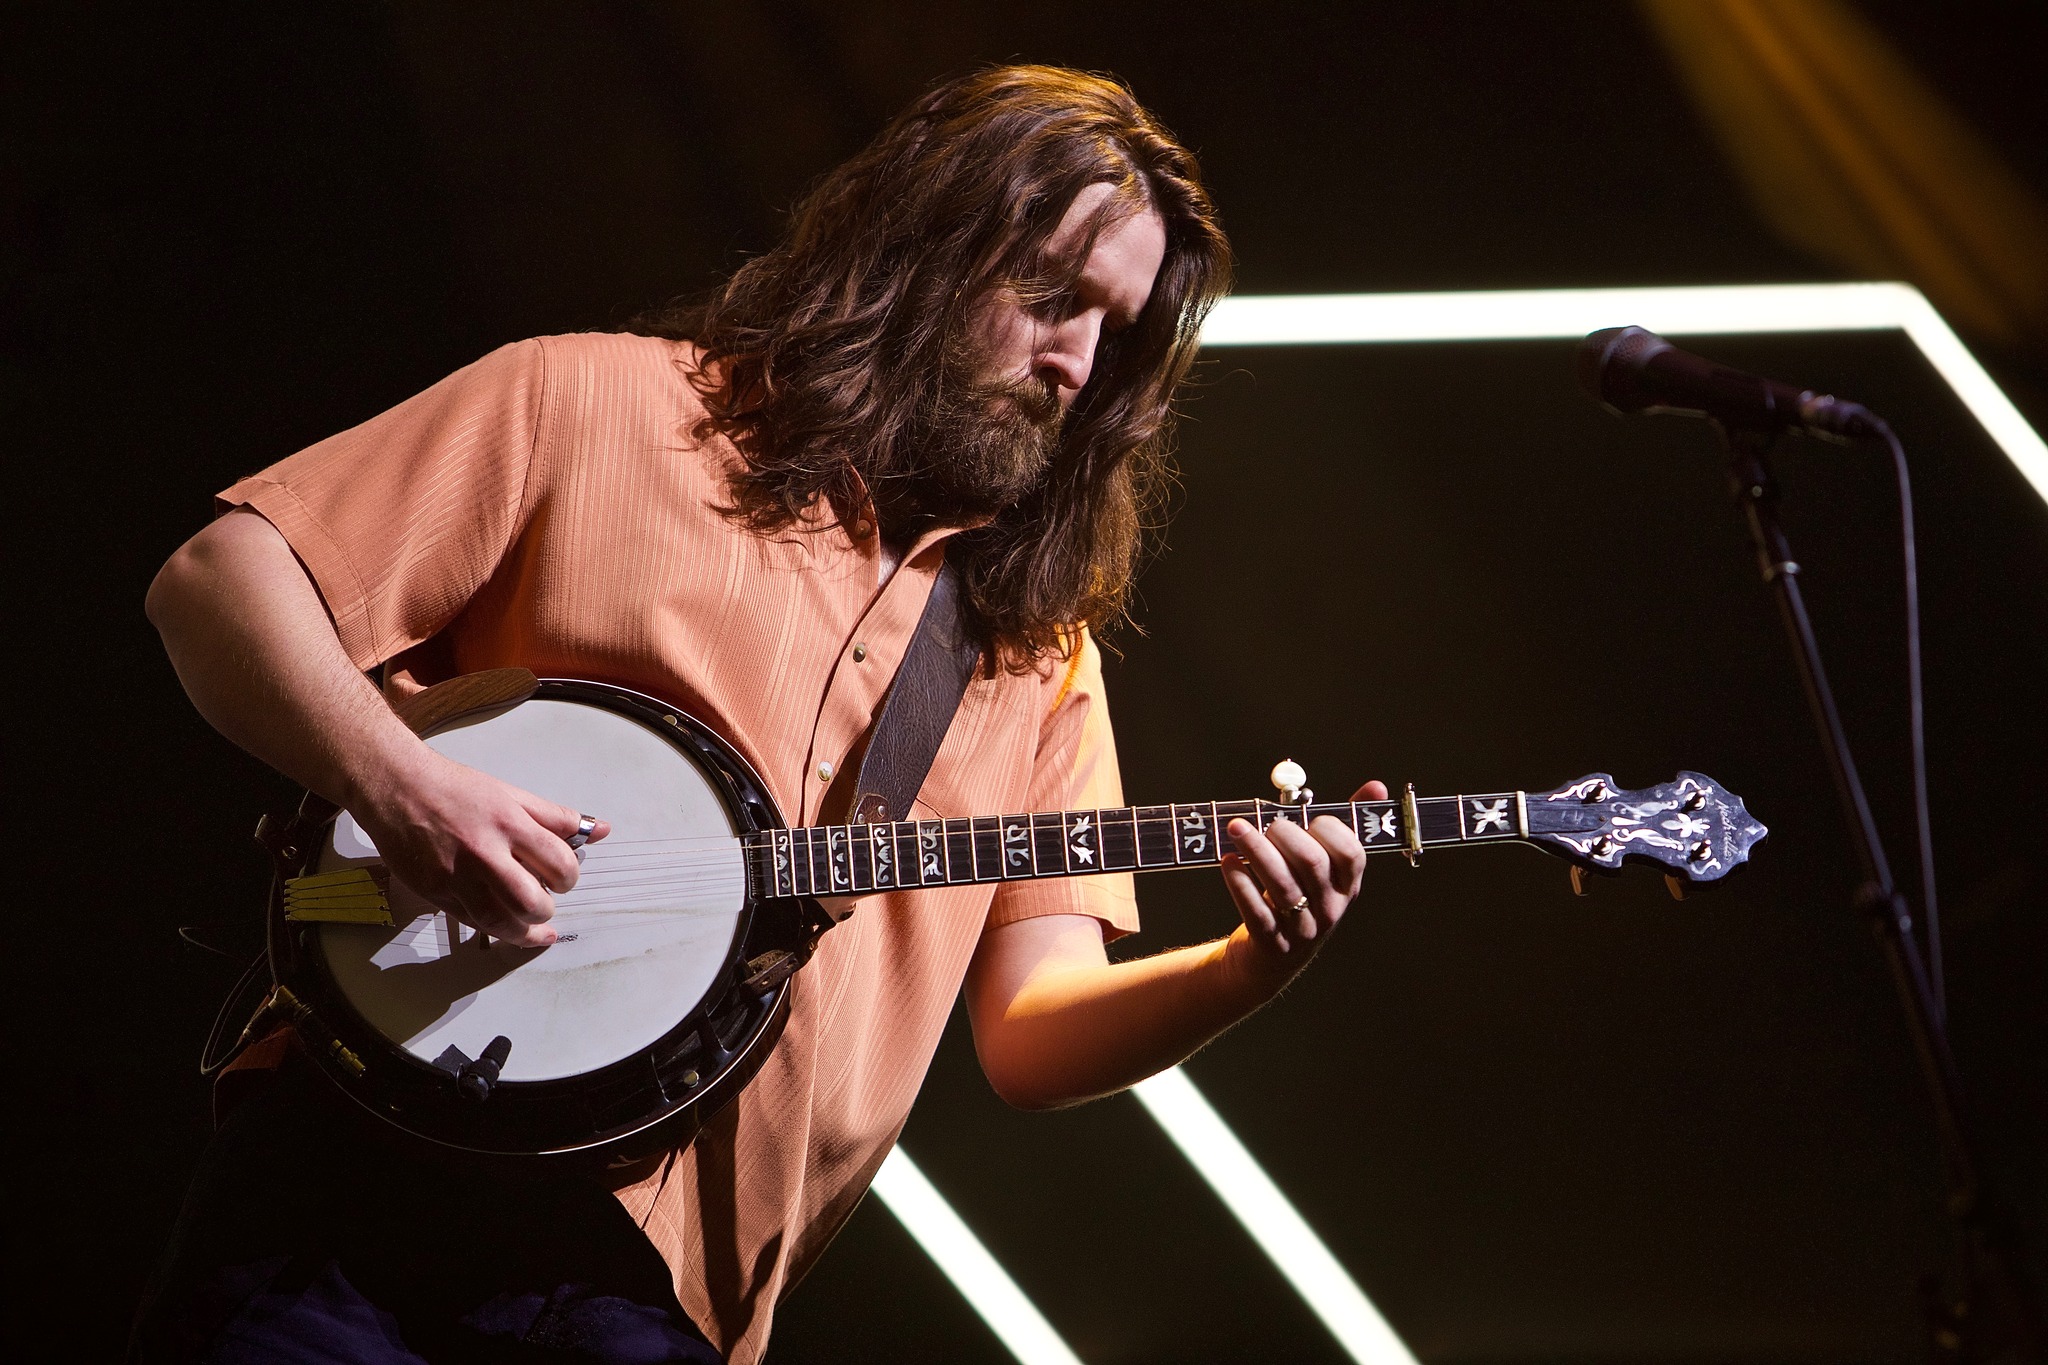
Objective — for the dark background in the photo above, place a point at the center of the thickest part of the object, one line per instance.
(1533, 1127)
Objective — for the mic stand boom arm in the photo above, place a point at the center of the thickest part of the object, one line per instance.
(1994, 1321)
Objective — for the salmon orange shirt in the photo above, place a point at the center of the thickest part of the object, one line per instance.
(547, 507)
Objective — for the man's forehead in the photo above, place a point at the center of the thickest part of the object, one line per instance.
(1095, 210)
(1121, 268)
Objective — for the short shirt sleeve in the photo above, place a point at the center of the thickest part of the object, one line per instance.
(1076, 769)
(402, 519)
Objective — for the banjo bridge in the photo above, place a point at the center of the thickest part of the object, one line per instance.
(355, 895)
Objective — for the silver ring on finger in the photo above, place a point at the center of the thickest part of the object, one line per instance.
(1300, 907)
(585, 827)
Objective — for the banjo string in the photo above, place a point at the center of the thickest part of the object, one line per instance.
(612, 859)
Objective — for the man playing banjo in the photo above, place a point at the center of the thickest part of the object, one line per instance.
(964, 352)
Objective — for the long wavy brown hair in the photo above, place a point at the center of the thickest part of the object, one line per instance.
(824, 360)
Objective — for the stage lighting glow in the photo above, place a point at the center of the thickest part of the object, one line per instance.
(1281, 1232)
(985, 1285)
(1698, 310)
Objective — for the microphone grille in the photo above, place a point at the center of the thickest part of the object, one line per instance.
(1610, 361)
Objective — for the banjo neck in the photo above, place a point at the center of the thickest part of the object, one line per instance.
(1697, 830)
(855, 859)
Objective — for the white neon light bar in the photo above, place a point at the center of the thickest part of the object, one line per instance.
(1699, 310)
(985, 1285)
(1281, 1232)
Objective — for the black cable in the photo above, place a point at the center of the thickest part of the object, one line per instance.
(212, 1055)
(1930, 912)
(190, 934)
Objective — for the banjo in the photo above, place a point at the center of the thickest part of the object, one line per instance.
(669, 980)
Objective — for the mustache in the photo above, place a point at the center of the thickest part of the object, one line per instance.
(1036, 401)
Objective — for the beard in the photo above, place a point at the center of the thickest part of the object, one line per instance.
(982, 446)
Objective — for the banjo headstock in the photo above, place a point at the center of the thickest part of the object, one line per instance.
(1692, 827)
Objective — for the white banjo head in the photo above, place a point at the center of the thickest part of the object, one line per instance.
(643, 936)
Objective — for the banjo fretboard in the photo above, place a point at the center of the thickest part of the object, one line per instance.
(843, 860)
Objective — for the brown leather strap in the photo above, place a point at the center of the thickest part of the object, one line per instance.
(919, 709)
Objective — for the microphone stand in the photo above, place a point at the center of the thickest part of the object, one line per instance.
(1992, 1321)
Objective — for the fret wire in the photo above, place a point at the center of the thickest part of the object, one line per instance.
(975, 834)
(897, 839)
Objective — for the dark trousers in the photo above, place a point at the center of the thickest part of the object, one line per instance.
(314, 1233)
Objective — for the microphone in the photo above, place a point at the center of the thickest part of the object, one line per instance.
(1631, 370)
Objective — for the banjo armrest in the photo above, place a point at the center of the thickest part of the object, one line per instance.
(426, 709)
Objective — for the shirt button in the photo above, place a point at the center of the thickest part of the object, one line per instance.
(860, 653)
(824, 772)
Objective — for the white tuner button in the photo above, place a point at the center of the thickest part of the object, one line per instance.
(1290, 777)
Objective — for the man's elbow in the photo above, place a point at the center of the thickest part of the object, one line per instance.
(179, 580)
(232, 555)
(1029, 1084)
(1029, 1098)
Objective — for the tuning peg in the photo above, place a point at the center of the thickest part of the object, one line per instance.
(1579, 881)
(1292, 780)
(1675, 885)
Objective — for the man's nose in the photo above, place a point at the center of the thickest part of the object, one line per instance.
(1068, 358)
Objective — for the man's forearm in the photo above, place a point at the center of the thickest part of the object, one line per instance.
(254, 647)
(1078, 1028)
